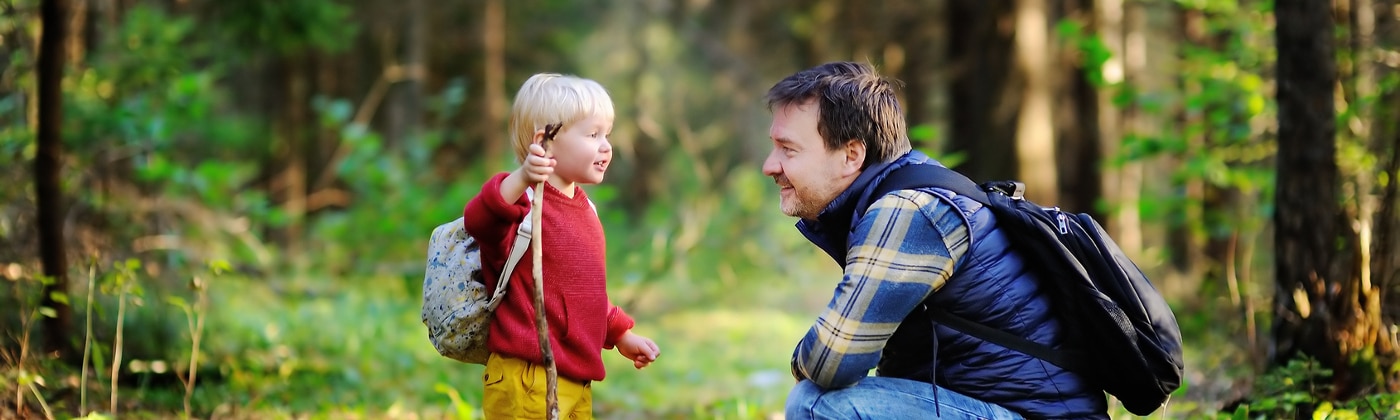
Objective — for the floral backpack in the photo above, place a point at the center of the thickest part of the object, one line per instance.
(456, 308)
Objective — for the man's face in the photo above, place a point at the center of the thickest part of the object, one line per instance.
(810, 175)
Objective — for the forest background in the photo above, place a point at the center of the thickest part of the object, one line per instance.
(221, 208)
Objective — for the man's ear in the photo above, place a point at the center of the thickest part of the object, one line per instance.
(855, 157)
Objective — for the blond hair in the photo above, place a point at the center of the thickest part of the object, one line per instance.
(551, 98)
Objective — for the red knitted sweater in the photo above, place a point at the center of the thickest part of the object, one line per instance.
(582, 321)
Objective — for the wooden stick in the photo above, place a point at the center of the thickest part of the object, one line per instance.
(551, 396)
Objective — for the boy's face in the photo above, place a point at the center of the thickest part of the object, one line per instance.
(582, 151)
(810, 175)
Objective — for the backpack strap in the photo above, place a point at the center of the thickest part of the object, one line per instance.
(522, 243)
(523, 234)
(920, 176)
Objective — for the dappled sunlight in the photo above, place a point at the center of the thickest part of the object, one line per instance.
(710, 359)
(364, 346)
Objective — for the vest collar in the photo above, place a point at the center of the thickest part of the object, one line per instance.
(832, 228)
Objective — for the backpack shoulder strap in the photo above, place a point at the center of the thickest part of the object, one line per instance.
(919, 176)
(517, 249)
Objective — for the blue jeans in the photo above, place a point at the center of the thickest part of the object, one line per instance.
(876, 398)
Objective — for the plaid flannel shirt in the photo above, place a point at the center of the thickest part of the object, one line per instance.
(904, 248)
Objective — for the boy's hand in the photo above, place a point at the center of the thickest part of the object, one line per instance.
(641, 350)
(537, 166)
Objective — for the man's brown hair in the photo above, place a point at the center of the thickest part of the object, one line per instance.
(854, 103)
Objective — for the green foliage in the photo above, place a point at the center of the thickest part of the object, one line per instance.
(386, 181)
(287, 27)
(1093, 51)
(1225, 106)
(463, 410)
(1299, 390)
(162, 150)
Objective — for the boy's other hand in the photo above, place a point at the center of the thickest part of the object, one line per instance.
(641, 350)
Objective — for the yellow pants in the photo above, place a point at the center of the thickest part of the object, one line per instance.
(515, 389)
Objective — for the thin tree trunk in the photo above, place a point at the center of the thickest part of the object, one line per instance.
(494, 83)
(1183, 247)
(1076, 120)
(293, 180)
(1120, 185)
(983, 94)
(1035, 132)
(405, 107)
(48, 164)
(924, 49)
(76, 31)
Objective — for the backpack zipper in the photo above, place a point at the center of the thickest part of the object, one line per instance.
(1062, 221)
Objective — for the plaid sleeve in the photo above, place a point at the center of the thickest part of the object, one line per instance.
(903, 249)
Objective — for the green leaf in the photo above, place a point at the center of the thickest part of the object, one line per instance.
(179, 302)
(923, 132)
(48, 312)
(220, 266)
(1241, 412)
(59, 297)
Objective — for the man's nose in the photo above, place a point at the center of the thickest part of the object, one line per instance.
(771, 166)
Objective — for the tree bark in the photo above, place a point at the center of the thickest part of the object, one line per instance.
(1035, 132)
(1183, 247)
(48, 164)
(1386, 145)
(1077, 136)
(981, 123)
(291, 151)
(494, 85)
(405, 105)
(1321, 307)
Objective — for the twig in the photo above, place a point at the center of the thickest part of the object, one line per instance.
(117, 346)
(87, 344)
(48, 414)
(196, 330)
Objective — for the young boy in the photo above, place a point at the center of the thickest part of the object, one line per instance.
(582, 320)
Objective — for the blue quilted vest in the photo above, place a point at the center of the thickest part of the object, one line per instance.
(992, 286)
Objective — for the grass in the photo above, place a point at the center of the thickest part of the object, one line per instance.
(319, 348)
(361, 351)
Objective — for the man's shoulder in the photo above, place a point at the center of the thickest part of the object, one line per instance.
(931, 202)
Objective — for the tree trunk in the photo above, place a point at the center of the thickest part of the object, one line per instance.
(1035, 132)
(292, 152)
(1076, 121)
(981, 124)
(1183, 247)
(48, 163)
(1386, 145)
(923, 49)
(405, 105)
(1321, 307)
(494, 85)
(1124, 66)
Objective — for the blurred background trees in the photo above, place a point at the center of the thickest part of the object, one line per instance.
(1244, 151)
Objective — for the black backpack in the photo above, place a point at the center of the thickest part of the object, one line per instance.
(1124, 337)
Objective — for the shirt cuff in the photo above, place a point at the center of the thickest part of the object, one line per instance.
(618, 324)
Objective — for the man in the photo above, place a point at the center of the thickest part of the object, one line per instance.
(838, 131)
